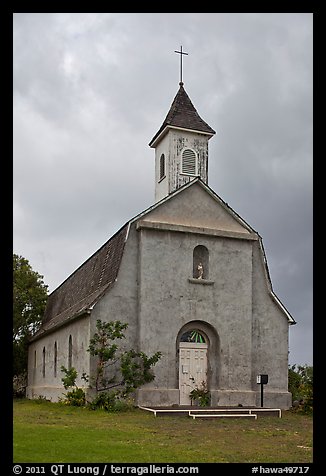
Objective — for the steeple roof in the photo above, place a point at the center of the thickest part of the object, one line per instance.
(183, 114)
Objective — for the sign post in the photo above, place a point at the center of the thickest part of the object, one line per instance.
(262, 379)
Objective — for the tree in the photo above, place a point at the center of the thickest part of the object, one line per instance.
(301, 387)
(29, 300)
(126, 370)
(118, 372)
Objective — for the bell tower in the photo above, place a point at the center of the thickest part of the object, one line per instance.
(181, 145)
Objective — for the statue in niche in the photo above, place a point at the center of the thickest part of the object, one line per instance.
(200, 270)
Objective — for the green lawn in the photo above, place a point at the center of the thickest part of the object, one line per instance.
(47, 432)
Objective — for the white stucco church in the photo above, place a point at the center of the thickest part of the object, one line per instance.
(190, 278)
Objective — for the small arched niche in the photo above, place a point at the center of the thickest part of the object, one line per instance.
(200, 262)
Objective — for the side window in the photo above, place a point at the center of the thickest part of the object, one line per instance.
(55, 359)
(200, 262)
(189, 162)
(43, 363)
(162, 166)
(70, 353)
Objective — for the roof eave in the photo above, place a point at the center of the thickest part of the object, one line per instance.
(43, 332)
(159, 136)
(291, 320)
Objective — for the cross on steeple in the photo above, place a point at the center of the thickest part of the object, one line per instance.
(180, 53)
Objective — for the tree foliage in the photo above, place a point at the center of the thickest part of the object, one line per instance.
(127, 370)
(118, 372)
(301, 387)
(102, 346)
(29, 300)
(75, 396)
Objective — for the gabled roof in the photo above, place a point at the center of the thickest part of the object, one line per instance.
(79, 293)
(82, 289)
(183, 114)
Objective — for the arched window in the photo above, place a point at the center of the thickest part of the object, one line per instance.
(200, 262)
(189, 162)
(55, 359)
(162, 166)
(43, 362)
(70, 353)
(194, 336)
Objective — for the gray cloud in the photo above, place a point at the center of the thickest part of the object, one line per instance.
(91, 90)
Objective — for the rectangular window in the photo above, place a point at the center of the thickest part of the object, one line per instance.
(43, 363)
(162, 166)
(70, 353)
(55, 359)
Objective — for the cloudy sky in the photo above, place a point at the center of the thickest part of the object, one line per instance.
(92, 89)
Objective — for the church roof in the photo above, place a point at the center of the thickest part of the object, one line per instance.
(183, 114)
(82, 289)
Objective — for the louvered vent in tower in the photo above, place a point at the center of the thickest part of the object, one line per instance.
(189, 162)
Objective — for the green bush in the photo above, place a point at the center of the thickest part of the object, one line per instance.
(75, 397)
(201, 395)
(41, 399)
(69, 380)
(123, 370)
(301, 387)
(110, 402)
(19, 385)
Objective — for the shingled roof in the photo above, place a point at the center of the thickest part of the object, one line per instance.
(85, 286)
(183, 114)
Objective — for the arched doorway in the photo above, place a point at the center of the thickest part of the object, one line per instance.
(193, 349)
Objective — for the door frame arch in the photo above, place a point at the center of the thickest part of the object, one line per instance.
(213, 351)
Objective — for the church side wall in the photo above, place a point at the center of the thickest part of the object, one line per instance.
(44, 370)
(270, 331)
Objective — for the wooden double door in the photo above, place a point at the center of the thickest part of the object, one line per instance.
(192, 368)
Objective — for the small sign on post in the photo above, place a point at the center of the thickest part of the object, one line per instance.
(262, 379)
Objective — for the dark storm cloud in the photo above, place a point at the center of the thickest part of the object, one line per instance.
(91, 90)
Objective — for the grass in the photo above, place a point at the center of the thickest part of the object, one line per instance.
(47, 432)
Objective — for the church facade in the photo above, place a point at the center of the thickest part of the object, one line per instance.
(190, 278)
